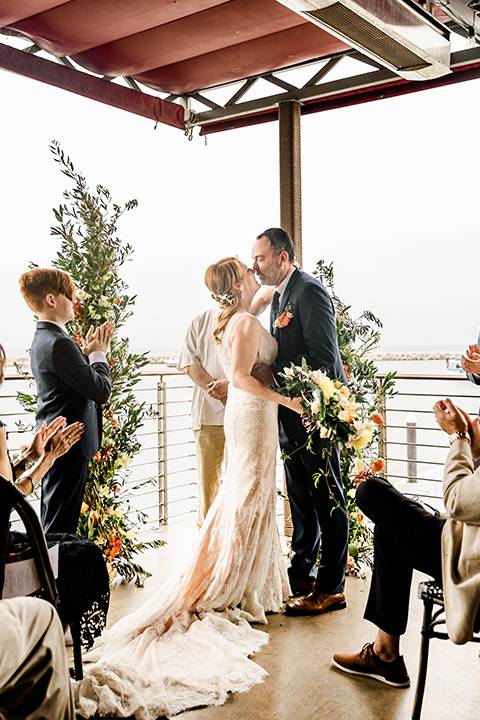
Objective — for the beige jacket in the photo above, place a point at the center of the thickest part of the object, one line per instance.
(461, 542)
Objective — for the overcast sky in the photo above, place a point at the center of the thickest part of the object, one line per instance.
(390, 194)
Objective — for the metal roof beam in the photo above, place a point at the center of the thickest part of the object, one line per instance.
(348, 85)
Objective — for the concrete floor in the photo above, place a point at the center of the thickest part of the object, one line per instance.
(302, 684)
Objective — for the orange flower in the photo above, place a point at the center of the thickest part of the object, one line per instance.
(360, 516)
(377, 465)
(114, 547)
(345, 367)
(114, 422)
(324, 432)
(77, 309)
(378, 419)
(117, 301)
(97, 457)
(283, 321)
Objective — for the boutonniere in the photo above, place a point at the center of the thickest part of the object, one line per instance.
(283, 319)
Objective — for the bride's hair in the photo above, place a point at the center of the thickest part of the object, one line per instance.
(220, 279)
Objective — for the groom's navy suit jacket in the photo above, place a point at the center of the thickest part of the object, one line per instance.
(312, 334)
(67, 385)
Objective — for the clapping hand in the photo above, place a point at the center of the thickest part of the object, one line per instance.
(62, 440)
(98, 340)
(471, 360)
(450, 418)
(41, 437)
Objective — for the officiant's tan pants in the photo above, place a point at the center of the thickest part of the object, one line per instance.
(34, 676)
(210, 446)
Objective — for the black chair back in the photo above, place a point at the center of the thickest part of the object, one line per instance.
(12, 499)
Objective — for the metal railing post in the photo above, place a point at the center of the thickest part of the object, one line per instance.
(411, 424)
(382, 434)
(162, 452)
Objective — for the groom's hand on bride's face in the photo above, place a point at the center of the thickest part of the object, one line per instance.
(263, 373)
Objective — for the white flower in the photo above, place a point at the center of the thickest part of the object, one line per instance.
(104, 301)
(95, 316)
(288, 372)
(118, 512)
(125, 460)
(317, 376)
(81, 294)
(130, 535)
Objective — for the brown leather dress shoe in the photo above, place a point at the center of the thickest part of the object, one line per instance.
(299, 587)
(316, 603)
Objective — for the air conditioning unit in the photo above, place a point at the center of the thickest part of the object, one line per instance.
(399, 34)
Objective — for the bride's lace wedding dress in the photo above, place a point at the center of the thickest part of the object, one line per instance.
(189, 644)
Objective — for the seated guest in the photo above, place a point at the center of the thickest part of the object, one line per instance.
(70, 383)
(408, 537)
(83, 583)
(34, 677)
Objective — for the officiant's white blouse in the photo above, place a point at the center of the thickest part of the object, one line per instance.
(199, 349)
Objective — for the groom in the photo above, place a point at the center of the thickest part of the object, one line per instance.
(302, 320)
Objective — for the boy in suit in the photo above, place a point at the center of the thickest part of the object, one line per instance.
(70, 383)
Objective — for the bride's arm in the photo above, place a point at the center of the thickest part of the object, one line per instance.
(245, 340)
(261, 300)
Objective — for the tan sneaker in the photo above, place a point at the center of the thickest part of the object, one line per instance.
(368, 664)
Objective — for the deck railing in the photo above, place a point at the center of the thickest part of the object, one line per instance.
(163, 476)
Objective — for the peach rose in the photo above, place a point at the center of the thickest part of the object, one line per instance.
(377, 465)
(283, 321)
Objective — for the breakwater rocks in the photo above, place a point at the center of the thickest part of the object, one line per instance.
(432, 355)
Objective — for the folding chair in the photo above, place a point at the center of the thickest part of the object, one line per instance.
(12, 499)
(432, 595)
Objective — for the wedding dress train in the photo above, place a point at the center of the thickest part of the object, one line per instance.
(189, 644)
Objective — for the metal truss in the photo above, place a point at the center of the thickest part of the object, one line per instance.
(316, 88)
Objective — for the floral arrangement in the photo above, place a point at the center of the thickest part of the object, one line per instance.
(350, 415)
(92, 255)
(329, 408)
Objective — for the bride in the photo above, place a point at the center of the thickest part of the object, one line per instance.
(189, 644)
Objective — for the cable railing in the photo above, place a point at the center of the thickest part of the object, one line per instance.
(163, 475)
(413, 445)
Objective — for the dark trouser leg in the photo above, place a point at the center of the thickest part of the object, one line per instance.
(311, 507)
(63, 488)
(407, 537)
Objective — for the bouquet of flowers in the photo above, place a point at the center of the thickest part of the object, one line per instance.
(337, 415)
(329, 408)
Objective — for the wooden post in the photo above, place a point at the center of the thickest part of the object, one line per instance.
(291, 172)
(290, 205)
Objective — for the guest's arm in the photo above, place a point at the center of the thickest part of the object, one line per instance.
(461, 483)
(37, 446)
(57, 445)
(471, 363)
